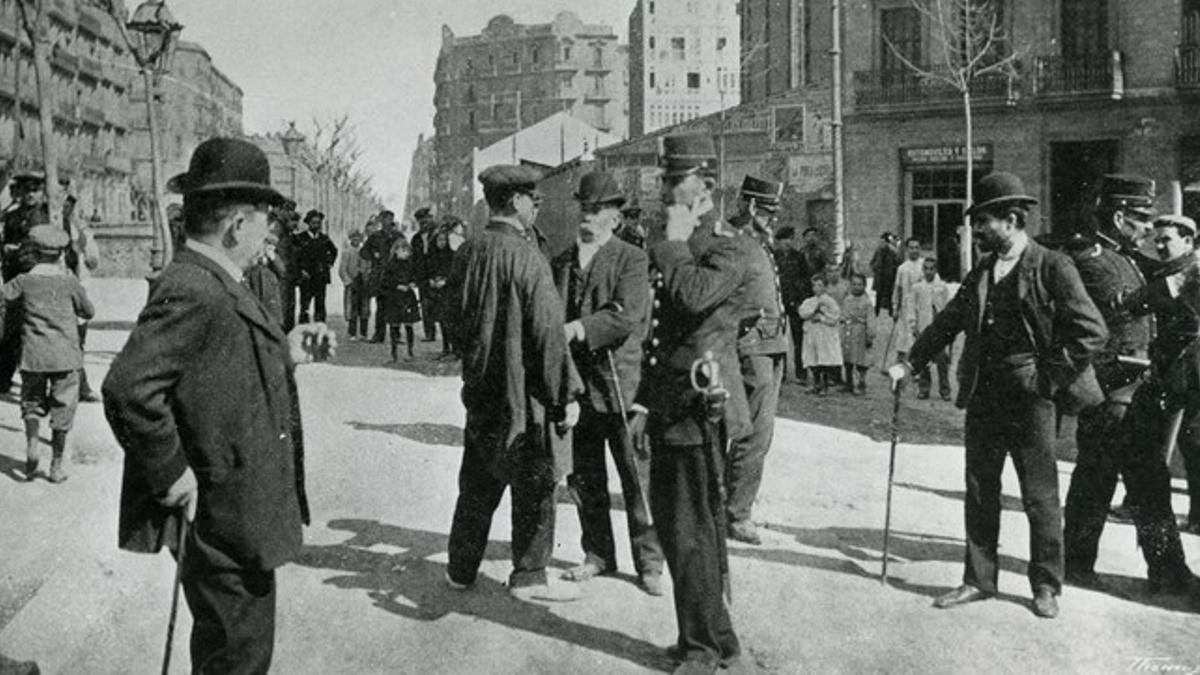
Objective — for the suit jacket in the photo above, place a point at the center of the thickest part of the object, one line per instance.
(205, 381)
(314, 256)
(1065, 327)
(613, 307)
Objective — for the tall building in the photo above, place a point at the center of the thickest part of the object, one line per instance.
(684, 61)
(512, 76)
(785, 46)
(419, 191)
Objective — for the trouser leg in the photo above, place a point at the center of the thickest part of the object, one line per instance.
(1093, 483)
(588, 485)
(427, 301)
(532, 523)
(761, 375)
(350, 308)
(981, 505)
(10, 344)
(85, 388)
(479, 494)
(306, 298)
(634, 472)
(318, 295)
(680, 497)
(1037, 470)
(942, 362)
(1189, 447)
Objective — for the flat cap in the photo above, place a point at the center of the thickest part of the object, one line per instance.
(1185, 225)
(48, 237)
(510, 177)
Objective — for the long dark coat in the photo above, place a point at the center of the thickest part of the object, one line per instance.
(315, 256)
(613, 306)
(1064, 325)
(508, 328)
(206, 381)
(397, 305)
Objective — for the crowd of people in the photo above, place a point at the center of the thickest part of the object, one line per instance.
(666, 350)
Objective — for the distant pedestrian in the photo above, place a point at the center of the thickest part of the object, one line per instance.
(315, 255)
(399, 305)
(422, 245)
(353, 270)
(50, 302)
(930, 296)
(437, 266)
(376, 250)
(909, 273)
(822, 335)
(884, 264)
(857, 335)
(285, 253)
(792, 287)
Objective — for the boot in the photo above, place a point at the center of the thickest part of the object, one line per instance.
(58, 443)
(395, 356)
(33, 453)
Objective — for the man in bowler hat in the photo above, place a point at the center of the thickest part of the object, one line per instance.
(508, 327)
(202, 400)
(1031, 333)
(698, 271)
(315, 255)
(603, 282)
(762, 346)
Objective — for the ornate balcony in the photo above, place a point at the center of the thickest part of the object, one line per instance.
(906, 89)
(1187, 66)
(1102, 75)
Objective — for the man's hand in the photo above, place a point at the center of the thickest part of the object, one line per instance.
(185, 494)
(570, 417)
(899, 372)
(637, 430)
(574, 332)
(310, 342)
(681, 222)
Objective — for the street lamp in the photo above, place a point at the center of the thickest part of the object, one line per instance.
(154, 34)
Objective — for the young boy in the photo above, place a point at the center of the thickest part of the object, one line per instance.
(856, 334)
(822, 339)
(929, 297)
(52, 301)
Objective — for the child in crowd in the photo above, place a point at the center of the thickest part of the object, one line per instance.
(929, 297)
(856, 334)
(51, 302)
(822, 338)
(399, 296)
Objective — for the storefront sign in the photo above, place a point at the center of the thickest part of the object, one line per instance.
(810, 173)
(945, 154)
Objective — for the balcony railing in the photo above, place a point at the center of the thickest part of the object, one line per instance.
(64, 60)
(91, 67)
(91, 115)
(1187, 66)
(1099, 74)
(905, 87)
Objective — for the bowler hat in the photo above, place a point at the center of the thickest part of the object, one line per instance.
(599, 188)
(765, 193)
(685, 155)
(312, 215)
(1127, 191)
(48, 237)
(228, 165)
(999, 189)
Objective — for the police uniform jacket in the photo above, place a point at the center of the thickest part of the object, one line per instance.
(765, 331)
(610, 299)
(695, 311)
(205, 381)
(1064, 327)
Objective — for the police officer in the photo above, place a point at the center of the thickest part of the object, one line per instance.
(699, 269)
(632, 231)
(28, 209)
(1111, 267)
(762, 347)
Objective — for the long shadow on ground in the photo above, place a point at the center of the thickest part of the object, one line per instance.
(411, 586)
(421, 432)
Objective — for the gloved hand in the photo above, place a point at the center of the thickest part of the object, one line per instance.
(569, 418)
(899, 372)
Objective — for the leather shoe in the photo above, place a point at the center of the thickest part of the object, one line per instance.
(961, 596)
(745, 532)
(1045, 604)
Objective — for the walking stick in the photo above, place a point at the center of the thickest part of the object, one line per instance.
(183, 527)
(891, 338)
(1169, 444)
(887, 519)
(629, 440)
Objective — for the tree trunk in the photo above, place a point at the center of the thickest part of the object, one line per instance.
(965, 248)
(45, 89)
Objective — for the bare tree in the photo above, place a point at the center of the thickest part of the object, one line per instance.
(35, 20)
(969, 45)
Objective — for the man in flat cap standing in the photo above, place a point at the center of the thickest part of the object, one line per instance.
(28, 210)
(201, 399)
(315, 255)
(762, 347)
(695, 315)
(603, 282)
(1031, 333)
(508, 328)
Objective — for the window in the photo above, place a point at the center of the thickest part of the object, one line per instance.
(566, 52)
(652, 79)
(1084, 29)
(693, 80)
(651, 42)
(471, 120)
(721, 43)
(900, 32)
(651, 6)
(678, 47)
(597, 56)
(1191, 22)
(535, 55)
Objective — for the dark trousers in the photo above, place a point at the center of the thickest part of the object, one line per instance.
(1113, 439)
(84, 387)
(312, 292)
(357, 308)
(1005, 417)
(925, 378)
(479, 493)
(683, 485)
(1189, 447)
(796, 328)
(233, 612)
(10, 344)
(288, 290)
(429, 300)
(762, 375)
(589, 489)
(380, 326)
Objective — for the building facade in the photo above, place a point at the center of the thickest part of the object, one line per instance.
(684, 61)
(1098, 86)
(785, 46)
(511, 76)
(419, 191)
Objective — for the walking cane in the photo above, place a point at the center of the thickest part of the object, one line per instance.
(629, 440)
(887, 519)
(183, 527)
(891, 338)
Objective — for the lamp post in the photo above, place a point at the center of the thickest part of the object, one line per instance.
(153, 34)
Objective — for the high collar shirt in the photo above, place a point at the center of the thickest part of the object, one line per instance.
(218, 256)
(1008, 260)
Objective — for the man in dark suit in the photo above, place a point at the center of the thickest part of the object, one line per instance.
(201, 400)
(375, 251)
(508, 326)
(604, 282)
(1031, 333)
(422, 245)
(315, 255)
(762, 347)
(695, 316)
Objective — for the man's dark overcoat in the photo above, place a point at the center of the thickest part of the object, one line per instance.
(206, 381)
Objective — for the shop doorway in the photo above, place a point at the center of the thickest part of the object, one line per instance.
(1076, 169)
(937, 199)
